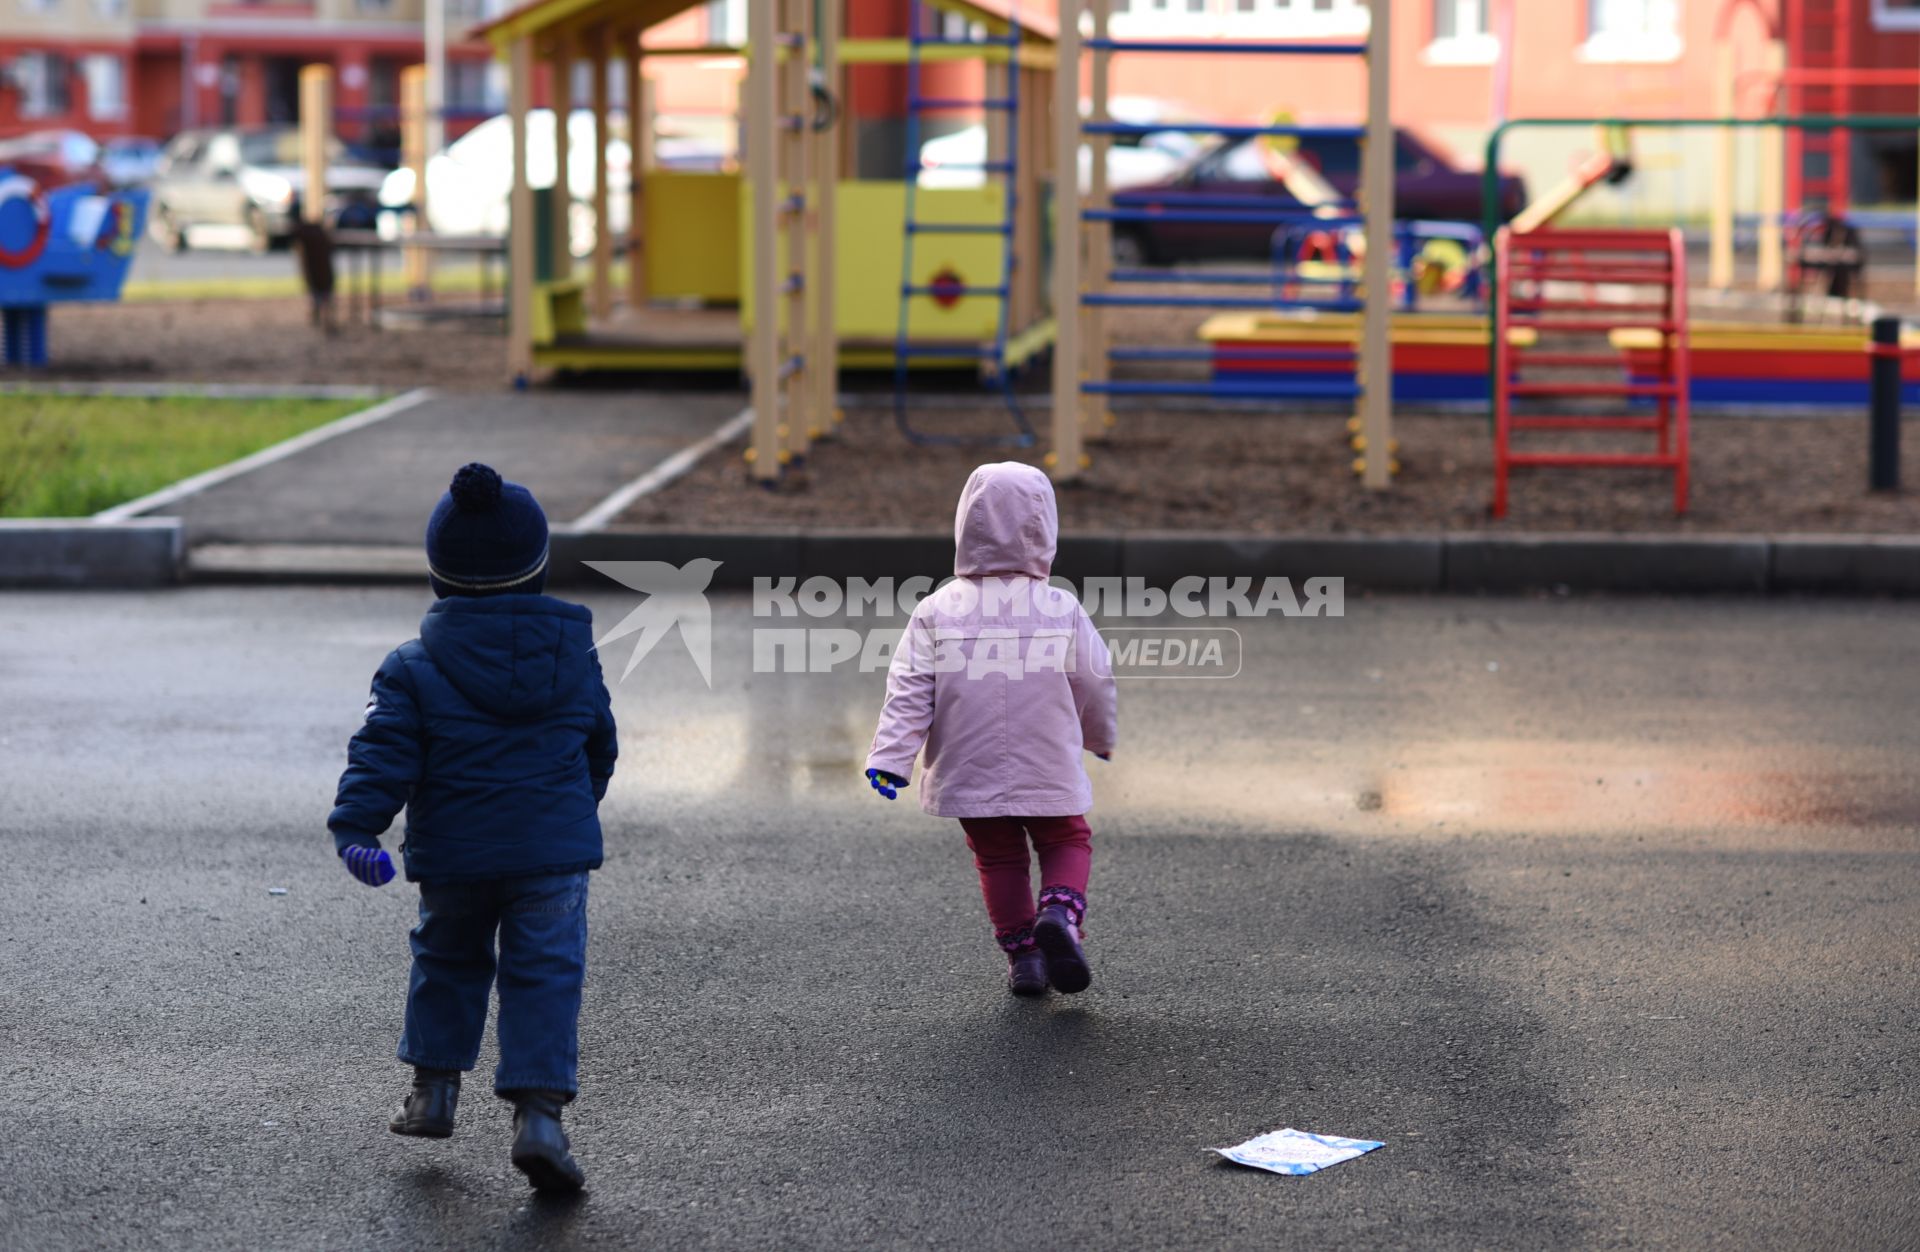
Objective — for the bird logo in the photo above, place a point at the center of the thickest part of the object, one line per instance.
(676, 596)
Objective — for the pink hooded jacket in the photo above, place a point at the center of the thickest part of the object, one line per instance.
(1000, 675)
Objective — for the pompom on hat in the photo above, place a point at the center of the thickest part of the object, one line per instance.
(487, 536)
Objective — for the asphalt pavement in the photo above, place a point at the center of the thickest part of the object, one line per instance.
(368, 486)
(1600, 913)
(215, 254)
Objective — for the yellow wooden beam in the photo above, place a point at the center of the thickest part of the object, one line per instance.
(540, 20)
(898, 51)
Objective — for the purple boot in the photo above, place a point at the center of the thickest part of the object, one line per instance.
(1057, 934)
(1026, 968)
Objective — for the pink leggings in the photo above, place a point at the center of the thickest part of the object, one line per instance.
(1000, 852)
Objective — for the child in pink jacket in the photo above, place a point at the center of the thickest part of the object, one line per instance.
(1004, 680)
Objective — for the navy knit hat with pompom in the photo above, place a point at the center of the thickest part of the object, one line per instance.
(486, 537)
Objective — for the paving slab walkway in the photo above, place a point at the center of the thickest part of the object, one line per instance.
(377, 484)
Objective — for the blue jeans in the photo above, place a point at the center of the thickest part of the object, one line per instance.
(542, 924)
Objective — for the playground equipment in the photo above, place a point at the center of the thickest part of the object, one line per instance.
(1821, 31)
(1004, 161)
(1611, 163)
(1437, 358)
(71, 243)
(1807, 71)
(1084, 286)
(1535, 273)
(785, 269)
(1749, 366)
(1744, 360)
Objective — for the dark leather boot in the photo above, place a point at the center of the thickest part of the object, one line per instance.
(1027, 972)
(1057, 933)
(539, 1145)
(428, 1109)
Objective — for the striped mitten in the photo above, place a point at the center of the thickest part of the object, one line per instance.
(371, 866)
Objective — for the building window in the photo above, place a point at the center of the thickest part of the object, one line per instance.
(1243, 19)
(42, 80)
(471, 88)
(1896, 14)
(1632, 30)
(1460, 19)
(727, 23)
(110, 10)
(38, 6)
(1462, 33)
(106, 78)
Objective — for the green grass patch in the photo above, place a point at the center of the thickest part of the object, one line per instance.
(69, 456)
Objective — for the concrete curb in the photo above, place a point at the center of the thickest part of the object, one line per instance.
(1680, 563)
(1876, 564)
(79, 552)
(1670, 564)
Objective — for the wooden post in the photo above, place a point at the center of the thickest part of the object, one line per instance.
(520, 215)
(639, 161)
(760, 132)
(1036, 93)
(413, 147)
(997, 74)
(1773, 175)
(602, 288)
(316, 127)
(824, 358)
(796, 108)
(1376, 276)
(1066, 462)
(562, 75)
(1096, 413)
(1021, 309)
(1720, 241)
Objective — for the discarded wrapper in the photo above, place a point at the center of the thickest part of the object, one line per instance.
(1293, 1151)
(276, 891)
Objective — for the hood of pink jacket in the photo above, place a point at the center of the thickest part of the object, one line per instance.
(1007, 522)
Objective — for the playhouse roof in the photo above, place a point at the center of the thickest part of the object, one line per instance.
(537, 17)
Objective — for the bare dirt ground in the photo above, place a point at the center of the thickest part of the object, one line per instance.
(263, 341)
(1170, 467)
(1291, 472)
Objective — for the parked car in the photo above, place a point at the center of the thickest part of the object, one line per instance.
(954, 160)
(252, 178)
(54, 158)
(1425, 188)
(130, 160)
(468, 183)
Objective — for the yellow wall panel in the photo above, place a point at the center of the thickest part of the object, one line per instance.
(870, 239)
(693, 233)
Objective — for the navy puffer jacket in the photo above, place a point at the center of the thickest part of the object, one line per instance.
(495, 731)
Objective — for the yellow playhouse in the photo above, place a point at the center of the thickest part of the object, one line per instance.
(693, 292)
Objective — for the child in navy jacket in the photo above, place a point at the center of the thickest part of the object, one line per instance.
(495, 731)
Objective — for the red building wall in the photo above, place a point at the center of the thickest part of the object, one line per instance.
(78, 115)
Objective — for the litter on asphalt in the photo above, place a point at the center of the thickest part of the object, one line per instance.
(276, 891)
(1293, 1151)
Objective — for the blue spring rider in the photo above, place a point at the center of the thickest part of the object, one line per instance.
(66, 243)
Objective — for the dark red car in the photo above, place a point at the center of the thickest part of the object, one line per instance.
(1234, 177)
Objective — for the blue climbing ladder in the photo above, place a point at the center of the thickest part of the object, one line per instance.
(992, 356)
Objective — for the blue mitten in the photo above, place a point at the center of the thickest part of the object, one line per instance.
(371, 866)
(884, 783)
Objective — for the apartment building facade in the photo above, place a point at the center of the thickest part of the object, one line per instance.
(153, 67)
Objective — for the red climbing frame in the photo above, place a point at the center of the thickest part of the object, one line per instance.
(1572, 288)
(1819, 80)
